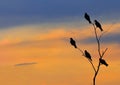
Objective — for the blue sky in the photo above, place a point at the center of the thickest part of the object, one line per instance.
(21, 12)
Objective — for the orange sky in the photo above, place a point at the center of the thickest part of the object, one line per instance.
(57, 62)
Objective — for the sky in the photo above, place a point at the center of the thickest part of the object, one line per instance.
(35, 48)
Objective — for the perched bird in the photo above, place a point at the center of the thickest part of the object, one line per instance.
(102, 61)
(73, 42)
(87, 54)
(87, 17)
(98, 25)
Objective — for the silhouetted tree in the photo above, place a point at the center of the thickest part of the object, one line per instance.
(101, 61)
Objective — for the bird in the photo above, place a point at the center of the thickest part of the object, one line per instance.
(98, 25)
(102, 61)
(72, 41)
(87, 55)
(87, 17)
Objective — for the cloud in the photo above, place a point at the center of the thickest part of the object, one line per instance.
(34, 37)
(25, 64)
(112, 38)
(109, 39)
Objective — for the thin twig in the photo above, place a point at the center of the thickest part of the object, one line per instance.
(105, 31)
(80, 51)
(102, 35)
(92, 65)
(104, 52)
(88, 59)
(97, 39)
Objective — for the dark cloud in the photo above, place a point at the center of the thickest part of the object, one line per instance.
(19, 12)
(23, 64)
(111, 38)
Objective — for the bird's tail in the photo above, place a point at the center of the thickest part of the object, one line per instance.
(90, 22)
(101, 29)
(75, 46)
(106, 64)
(90, 59)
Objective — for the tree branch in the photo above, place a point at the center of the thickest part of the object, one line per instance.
(97, 39)
(92, 65)
(99, 52)
(104, 52)
(81, 51)
(88, 60)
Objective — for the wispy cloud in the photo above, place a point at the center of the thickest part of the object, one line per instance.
(110, 35)
(25, 64)
(109, 39)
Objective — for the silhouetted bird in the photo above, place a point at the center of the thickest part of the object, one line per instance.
(73, 42)
(87, 54)
(87, 17)
(98, 25)
(102, 61)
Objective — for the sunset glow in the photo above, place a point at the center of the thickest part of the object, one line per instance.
(35, 44)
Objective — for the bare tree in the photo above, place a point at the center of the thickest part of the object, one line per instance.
(85, 53)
